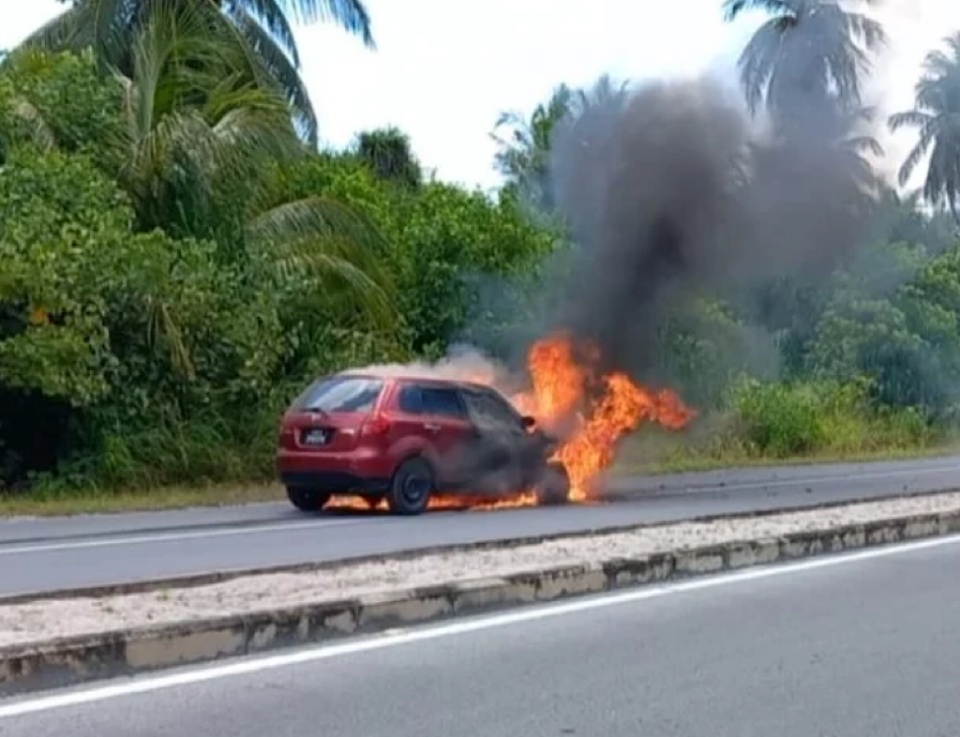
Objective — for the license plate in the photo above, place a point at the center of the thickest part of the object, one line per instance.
(316, 437)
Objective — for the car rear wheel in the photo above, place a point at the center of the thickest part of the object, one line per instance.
(411, 487)
(306, 499)
(554, 485)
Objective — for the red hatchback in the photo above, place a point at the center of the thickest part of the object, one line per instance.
(402, 438)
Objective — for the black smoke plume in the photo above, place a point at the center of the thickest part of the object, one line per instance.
(672, 190)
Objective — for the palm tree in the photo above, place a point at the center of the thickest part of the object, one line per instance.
(524, 152)
(937, 116)
(264, 27)
(828, 157)
(808, 51)
(190, 166)
(605, 92)
(388, 152)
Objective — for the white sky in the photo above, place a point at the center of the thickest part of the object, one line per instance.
(445, 70)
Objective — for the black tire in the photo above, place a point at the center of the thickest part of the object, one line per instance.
(553, 488)
(411, 487)
(306, 499)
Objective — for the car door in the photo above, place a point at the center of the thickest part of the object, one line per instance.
(446, 428)
(499, 436)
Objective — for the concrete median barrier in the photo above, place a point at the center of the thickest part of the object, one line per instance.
(209, 578)
(65, 661)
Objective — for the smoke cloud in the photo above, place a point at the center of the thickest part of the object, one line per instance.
(462, 363)
(672, 189)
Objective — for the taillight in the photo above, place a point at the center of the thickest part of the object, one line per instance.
(285, 434)
(375, 426)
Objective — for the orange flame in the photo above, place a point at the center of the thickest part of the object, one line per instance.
(451, 502)
(592, 414)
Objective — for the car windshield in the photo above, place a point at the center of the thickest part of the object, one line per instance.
(340, 394)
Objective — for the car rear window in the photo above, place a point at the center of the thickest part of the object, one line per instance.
(340, 394)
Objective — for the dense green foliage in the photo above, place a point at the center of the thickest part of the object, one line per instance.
(261, 30)
(175, 263)
(155, 316)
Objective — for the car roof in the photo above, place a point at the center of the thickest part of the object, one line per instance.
(413, 376)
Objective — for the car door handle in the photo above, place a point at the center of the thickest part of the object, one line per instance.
(430, 427)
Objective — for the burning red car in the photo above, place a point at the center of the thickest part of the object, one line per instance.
(399, 439)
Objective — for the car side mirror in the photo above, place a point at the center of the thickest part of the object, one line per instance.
(528, 422)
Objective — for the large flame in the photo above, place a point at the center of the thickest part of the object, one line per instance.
(591, 412)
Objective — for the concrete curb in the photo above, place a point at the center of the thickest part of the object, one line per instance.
(214, 577)
(71, 661)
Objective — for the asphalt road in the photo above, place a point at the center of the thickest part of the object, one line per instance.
(862, 645)
(45, 554)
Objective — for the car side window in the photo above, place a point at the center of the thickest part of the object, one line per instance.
(411, 400)
(489, 413)
(477, 409)
(441, 402)
(501, 410)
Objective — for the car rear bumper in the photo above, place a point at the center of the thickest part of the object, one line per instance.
(342, 472)
(334, 483)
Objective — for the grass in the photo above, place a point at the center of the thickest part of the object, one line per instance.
(652, 453)
(797, 426)
(137, 500)
(636, 460)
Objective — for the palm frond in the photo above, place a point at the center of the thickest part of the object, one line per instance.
(282, 73)
(861, 144)
(105, 20)
(937, 116)
(807, 51)
(915, 157)
(248, 135)
(732, 9)
(510, 118)
(95, 23)
(351, 15)
(272, 18)
(943, 175)
(940, 63)
(325, 241)
(758, 62)
(868, 30)
(327, 266)
(177, 141)
(163, 331)
(314, 217)
(68, 30)
(916, 118)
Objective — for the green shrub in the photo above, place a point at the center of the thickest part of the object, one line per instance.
(781, 420)
(778, 419)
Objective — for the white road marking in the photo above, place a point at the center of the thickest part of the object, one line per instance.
(175, 536)
(148, 684)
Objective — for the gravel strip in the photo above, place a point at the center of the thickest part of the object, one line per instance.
(22, 623)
